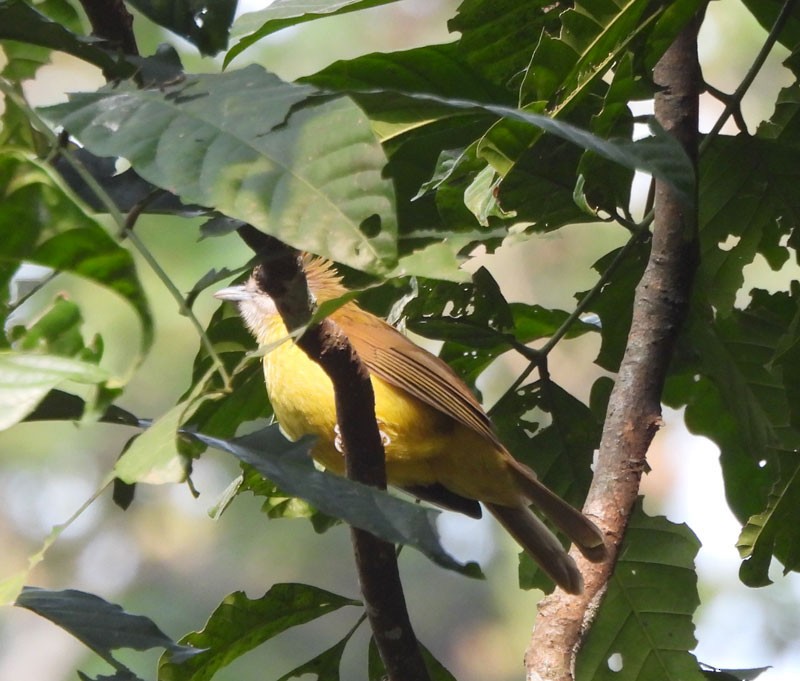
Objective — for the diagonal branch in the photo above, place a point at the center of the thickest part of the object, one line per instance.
(634, 411)
(112, 21)
(282, 278)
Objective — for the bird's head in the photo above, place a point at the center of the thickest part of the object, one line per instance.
(257, 307)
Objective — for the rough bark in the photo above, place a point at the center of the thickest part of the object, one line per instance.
(634, 412)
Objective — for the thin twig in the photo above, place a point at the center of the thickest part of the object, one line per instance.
(584, 303)
(734, 101)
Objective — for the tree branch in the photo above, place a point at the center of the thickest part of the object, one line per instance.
(634, 411)
(112, 21)
(282, 278)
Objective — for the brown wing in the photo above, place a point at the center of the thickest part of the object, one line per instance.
(400, 362)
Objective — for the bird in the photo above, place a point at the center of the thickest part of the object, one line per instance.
(439, 442)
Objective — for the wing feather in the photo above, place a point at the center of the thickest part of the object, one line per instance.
(400, 362)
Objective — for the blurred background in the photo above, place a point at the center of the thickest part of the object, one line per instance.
(166, 558)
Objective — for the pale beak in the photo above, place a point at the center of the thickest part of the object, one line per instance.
(235, 294)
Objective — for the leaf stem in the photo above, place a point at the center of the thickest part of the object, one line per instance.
(538, 357)
(733, 102)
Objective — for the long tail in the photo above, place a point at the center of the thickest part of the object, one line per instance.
(542, 545)
(582, 531)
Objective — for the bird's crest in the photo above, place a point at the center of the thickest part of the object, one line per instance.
(323, 279)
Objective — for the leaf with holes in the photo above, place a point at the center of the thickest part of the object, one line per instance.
(747, 209)
(643, 629)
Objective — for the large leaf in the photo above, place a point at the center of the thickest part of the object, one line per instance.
(498, 36)
(284, 13)
(563, 77)
(414, 134)
(643, 629)
(367, 508)
(434, 69)
(303, 160)
(239, 624)
(98, 624)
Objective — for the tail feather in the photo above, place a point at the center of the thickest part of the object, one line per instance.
(542, 545)
(582, 531)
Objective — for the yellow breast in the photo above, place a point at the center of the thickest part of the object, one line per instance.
(423, 445)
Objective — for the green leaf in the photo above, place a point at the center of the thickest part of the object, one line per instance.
(614, 303)
(58, 331)
(204, 24)
(460, 308)
(497, 36)
(561, 453)
(277, 504)
(325, 666)
(154, 457)
(25, 379)
(239, 624)
(599, 33)
(40, 223)
(747, 209)
(469, 316)
(644, 623)
(302, 161)
(289, 466)
(735, 393)
(784, 124)
(775, 531)
(98, 624)
(660, 155)
(21, 22)
(434, 69)
(284, 13)
(540, 185)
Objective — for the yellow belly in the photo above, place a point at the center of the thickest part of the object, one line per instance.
(423, 446)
